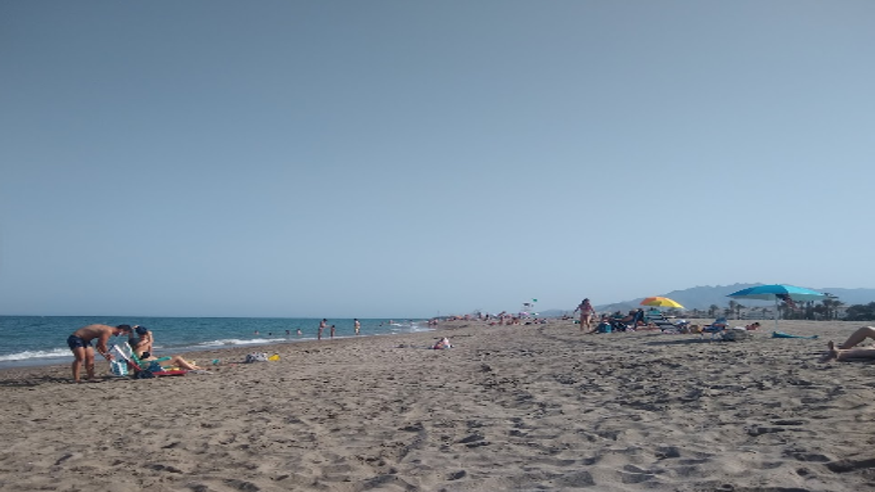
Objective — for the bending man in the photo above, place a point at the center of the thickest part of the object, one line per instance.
(80, 343)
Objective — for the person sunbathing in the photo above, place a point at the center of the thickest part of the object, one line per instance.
(841, 355)
(858, 336)
(142, 346)
(849, 350)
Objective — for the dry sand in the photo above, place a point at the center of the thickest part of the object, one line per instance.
(509, 408)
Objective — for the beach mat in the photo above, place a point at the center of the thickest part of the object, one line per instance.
(780, 334)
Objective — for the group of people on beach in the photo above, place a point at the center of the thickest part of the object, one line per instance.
(847, 351)
(140, 339)
(323, 325)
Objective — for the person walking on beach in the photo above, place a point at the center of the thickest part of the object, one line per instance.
(586, 314)
(80, 343)
(322, 325)
(358, 326)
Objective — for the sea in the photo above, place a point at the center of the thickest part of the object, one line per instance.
(42, 340)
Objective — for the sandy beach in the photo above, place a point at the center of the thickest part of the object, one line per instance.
(540, 407)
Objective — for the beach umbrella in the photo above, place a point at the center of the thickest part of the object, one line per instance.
(661, 302)
(778, 292)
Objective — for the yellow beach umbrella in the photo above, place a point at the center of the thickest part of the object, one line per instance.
(661, 302)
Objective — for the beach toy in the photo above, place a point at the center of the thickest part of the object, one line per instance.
(274, 357)
(780, 334)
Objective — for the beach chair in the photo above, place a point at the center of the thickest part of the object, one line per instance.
(716, 328)
(654, 315)
(140, 369)
(627, 323)
(658, 319)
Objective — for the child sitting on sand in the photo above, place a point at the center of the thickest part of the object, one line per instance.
(443, 343)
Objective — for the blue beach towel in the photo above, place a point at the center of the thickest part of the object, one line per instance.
(780, 334)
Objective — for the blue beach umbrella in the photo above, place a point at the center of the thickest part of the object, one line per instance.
(778, 292)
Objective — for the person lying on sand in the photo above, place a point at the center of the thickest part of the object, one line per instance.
(858, 336)
(840, 354)
(849, 349)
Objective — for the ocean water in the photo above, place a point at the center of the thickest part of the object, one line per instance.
(42, 340)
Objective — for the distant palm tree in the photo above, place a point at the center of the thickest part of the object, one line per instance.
(732, 305)
(712, 310)
(831, 307)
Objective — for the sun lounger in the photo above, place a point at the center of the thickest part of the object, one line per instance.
(716, 328)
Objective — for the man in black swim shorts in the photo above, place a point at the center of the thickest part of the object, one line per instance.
(80, 343)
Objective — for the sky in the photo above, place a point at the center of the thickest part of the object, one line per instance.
(412, 159)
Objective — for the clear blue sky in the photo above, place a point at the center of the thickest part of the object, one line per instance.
(403, 159)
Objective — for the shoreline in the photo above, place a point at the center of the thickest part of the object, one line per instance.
(190, 348)
(522, 407)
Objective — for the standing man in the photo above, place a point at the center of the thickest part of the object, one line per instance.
(80, 343)
(358, 326)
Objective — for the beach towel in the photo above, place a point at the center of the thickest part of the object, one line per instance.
(779, 334)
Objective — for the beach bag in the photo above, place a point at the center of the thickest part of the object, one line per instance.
(119, 367)
(256, 357)
(604, 328)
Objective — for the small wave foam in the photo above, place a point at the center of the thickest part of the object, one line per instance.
(408, 328)
(225, 342)
(36, 354)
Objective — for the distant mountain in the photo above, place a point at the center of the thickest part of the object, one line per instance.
(704, 296)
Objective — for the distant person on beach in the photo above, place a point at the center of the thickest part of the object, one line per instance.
(586, 314)
(332, 331)
(358, 326)
(80, 343)
(299, 332)
(322, 325)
